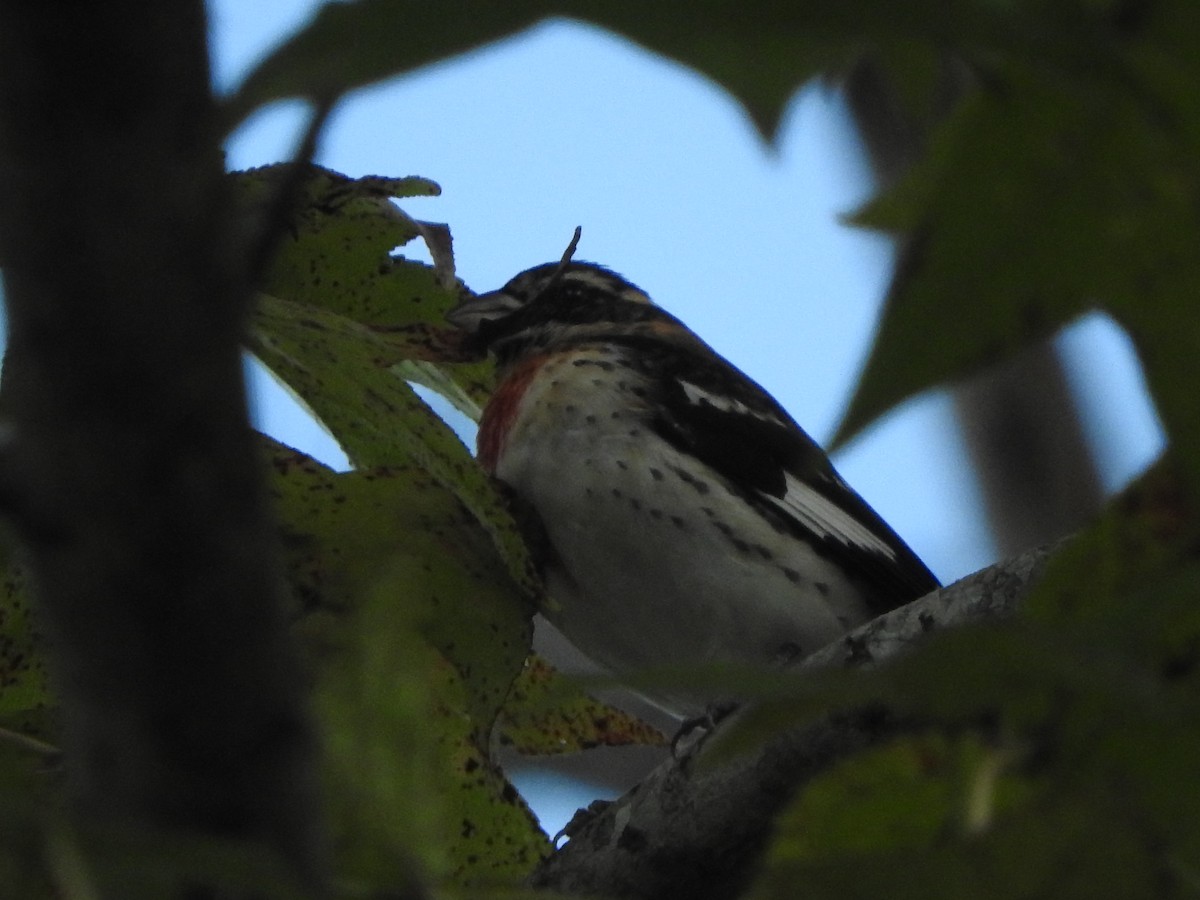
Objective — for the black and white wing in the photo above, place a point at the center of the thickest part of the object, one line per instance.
(719, 415)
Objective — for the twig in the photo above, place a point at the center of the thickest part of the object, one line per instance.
(279, 212)
(556, 277)
(25, 742)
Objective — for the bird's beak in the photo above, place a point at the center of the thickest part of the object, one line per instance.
(472, 312)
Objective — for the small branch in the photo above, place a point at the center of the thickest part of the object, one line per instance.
(32, 744)
(696, 832)
(274, 224)
(570, 251)
(563, 262)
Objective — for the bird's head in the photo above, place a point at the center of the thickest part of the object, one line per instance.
(551, 302)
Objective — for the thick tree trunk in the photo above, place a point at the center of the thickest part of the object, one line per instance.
(127, 461)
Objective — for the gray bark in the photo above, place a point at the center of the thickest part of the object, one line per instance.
(697, 832)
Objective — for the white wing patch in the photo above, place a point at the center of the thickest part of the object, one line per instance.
(697, 396)
(812, 509)
(825, 518)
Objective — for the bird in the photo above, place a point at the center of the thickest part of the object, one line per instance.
(687, 518)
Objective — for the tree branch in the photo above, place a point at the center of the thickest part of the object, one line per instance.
(696, 832)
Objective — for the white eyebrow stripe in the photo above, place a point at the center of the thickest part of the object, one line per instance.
(825, 518)
(605, 281)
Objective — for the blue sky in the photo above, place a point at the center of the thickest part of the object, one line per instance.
(567, 125)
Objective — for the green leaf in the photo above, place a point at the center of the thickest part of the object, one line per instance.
(1129, 579)
(337, 255)
(349, 45)
(342, 532)
(343, 321)
(411, 777)
(761, 52)
(140, 863)
(547, 713)
(1076, 844)
(1014, 671)
(496, 839)
(436, 378)
(1047, 195)
(341, 370)
(27, 869)
(336, 252)
(1092, 691)
(995, 264)
(905, 795)
(418, 634)
(26, 702)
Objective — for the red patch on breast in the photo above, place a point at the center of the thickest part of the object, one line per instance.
(501, 411)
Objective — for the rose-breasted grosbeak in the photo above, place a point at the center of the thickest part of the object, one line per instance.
(689, 518)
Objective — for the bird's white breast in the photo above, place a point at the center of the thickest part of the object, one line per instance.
(659, 561)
